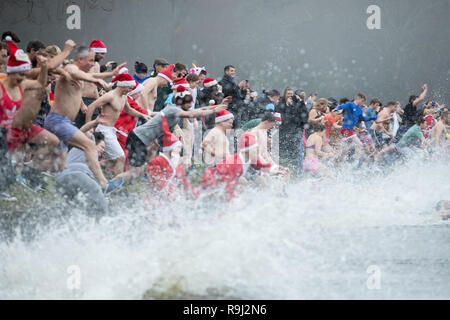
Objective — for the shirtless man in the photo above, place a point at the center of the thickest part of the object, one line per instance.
(441, 132)
(151, 85)
(216, 146)
(383, 136)
(23, 131)
(66, 106)
(111, 105)
(268, 122)
(90, 91)
(146, 135)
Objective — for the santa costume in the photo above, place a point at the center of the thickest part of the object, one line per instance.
(227, 173)
(166, 174)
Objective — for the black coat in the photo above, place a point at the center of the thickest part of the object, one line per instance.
(231, 89)
(294, 116)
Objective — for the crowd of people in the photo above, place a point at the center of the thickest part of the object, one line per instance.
(61, 118)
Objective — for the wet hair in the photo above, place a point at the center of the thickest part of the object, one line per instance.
(320, 104)
(273, 93)
(140, 67)
(35, 45)
(192, 77)
(412, 98)
(14, 37)
(391, 103)
(420, 120)
(362, 96)
(268, 116)
(228, 67)
(375, 101)
(83, 52)
(319, 127)
(99, 137)
(344, 100)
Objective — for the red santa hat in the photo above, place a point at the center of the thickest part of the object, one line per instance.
(137, 88)
(182, 92)
(18, 60)
(98, 46)
(124, 80)
(209, 82)
(167, 73)
(180, 82)
(170, 142)
(278, 119)
(224, 115)
(247, 141)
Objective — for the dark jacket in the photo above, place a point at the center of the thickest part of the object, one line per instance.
(204, 97)
(294, 116)
(230, 88)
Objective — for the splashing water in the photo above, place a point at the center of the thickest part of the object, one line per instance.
(314, 240)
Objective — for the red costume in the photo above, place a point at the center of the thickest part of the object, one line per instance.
(164, 174)
(227, 173)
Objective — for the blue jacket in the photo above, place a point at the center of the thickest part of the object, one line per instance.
(352, 114)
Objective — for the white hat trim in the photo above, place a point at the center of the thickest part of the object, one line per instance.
(126, 83)
(99, 50)
(211, 83)
(173, 146)
(19, 68)
(224, 118)
(249, 148)
(165, 77)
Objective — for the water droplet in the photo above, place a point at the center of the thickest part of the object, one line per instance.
(306, 65)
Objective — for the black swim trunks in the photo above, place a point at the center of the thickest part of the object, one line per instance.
(137, 150)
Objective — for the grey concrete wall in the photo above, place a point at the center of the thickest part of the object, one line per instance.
(314, 45)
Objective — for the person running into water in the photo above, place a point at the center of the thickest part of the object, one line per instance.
(150, 93)
(112, 104)
(314, 144)
(414, 137)
(66, 106)
(227, 174)
(146, 135)
(77, 178)
(216, 146)
(352, 114)
(165, 173)
(441, 132)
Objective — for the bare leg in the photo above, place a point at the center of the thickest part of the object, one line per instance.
(131, 174)
(81, 141)
(47, 142)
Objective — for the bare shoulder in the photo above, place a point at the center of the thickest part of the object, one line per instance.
(71, 68)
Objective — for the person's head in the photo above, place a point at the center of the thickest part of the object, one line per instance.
(203, 75)
(360, 99)
(230, 70)
(224, 120)
(180, 70)
(4, 55)
(193, 80)
(125, 83)
(319, 128)
(268, 121)
(374, 103)
(183, 98)
(52, 51)
(412, 98)
(100, 143)
(321, 105)
(85, 58)
(140, 69)
(14, 37)
(274, 96)
(159, 65)
(99, 49)
(421, 122)
(391, 106)
(34, 47)
(445, 117)
(288, 93)
(344, 101)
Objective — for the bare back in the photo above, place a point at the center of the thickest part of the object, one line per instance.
(218, 143)
(33, 94)
(383, 115)
(261, 136)
(67, 96)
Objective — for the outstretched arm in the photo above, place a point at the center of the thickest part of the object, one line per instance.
(77, 74)
(104, 75)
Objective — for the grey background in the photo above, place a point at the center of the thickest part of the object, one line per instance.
(319, 46)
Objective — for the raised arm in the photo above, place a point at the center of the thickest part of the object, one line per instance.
(58, 60)
(422, 96)
(111, 74)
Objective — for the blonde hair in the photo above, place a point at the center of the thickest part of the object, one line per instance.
(320, 104)
(52, 51)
